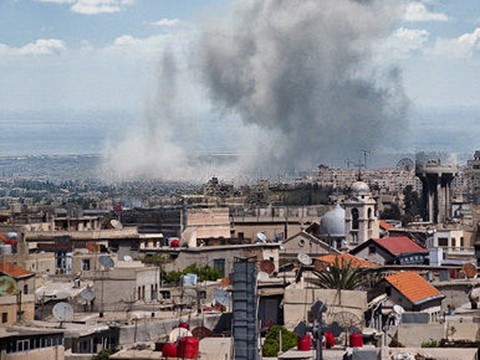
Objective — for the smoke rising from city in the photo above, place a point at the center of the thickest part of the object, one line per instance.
(298, 81)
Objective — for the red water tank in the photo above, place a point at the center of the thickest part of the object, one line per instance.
(304, 343)
(169, 350)
(188, 348)
(329, 339)
(356, 340)
(175, 243)
(184, 325)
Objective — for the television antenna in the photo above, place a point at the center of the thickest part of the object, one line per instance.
(62, 312)
(304, 259)
(127, 258)
(222, 297)
(117, 225)
(399, 310)
(8, 286)
(267, 266)
(470, 270)
(261, 237)
(87, 294)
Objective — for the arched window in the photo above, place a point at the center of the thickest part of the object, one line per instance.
(355, 219)
(369, 213)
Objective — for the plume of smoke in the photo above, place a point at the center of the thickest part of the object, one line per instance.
(300, 73)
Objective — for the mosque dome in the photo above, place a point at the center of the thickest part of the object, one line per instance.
(333, 223)
(359, 187)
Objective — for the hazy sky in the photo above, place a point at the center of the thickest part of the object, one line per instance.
(103, 54)
(287, 83)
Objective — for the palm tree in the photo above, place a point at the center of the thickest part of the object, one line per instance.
(339, 276)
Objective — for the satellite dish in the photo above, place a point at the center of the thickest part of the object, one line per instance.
(470, 270)
(261, 237)
(262, 276)
(178, 333)
(267, 266)
(87, 294)
(397, 309)
(304, 259)
(201, 332)
(63, 312)
(8, 286)
(106, 261)
(116, 224)
(222, 297)
(127, 258)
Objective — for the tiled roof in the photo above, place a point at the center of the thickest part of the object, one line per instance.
(384, 225)
(13, 270)
(399, 245)
(344, 259)
(415, 288)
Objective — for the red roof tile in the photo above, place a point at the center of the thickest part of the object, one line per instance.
(344, 259)
(13, 270)
(399, 245)
(413, 286)
(385, 226)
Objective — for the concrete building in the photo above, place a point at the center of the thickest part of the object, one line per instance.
(21, 343)
(17, 299)
(305, 243)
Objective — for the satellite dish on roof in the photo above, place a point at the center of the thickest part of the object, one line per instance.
(261, 237)
(63, 312)
(222, 297)
(267, 266)
(127, 258)
(87, 294)
(116, 224)
(178, 333)
(397, 309)
(470, 270)
(8, 286)
(304, 259)
(106, 261)
(262, 276)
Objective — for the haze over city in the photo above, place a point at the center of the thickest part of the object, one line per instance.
(153, 85)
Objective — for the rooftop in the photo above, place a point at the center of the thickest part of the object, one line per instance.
(13, 270)
(399, 245)
(415, 288)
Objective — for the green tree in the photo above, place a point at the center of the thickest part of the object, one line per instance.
(270, 346)
(340, 276)
(391, 212)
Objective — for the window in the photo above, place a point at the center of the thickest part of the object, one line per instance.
(220, 265)
(388, 291)
(86, 264)
(355, 217)
(23, 345)
(165, 294)
(4, 317)
(372, 249)
(462, 244)
(443, 242)
(25, 289)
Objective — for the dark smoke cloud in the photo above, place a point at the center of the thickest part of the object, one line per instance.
(301, 73)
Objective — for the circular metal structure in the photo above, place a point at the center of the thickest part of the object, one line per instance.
(8, 286)
(63, 311)
(87, 294)
(178, 333)
(201, 332)
(262, 276)
(267, 266)
(470, 270)
(261, 237)
(106, 261)
(304, 259)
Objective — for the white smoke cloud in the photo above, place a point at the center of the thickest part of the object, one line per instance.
(461, 47)
(295, 79)
(418, 12)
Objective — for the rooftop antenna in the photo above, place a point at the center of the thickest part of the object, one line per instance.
(88, 295)
(63, 312)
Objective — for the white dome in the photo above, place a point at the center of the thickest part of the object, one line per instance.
(360, 187)
(333, 223)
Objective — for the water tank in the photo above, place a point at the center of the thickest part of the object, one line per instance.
(356, 340)
(304, 343)
(184, 325)
(175, 243)
(188, 348)
(169, 350)
(329, 339)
